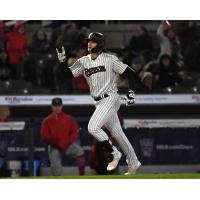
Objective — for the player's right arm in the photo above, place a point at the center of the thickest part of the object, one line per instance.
(164, 25)
(76, 69)
(160, 31)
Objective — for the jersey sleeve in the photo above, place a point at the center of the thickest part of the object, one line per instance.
(160, 32)
(77, 68)
(118, 66)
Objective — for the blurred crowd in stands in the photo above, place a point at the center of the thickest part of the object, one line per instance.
(28, 64)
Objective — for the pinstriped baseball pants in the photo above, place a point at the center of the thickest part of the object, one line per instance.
(106, 114)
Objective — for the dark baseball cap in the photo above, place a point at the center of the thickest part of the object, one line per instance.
(56, 101)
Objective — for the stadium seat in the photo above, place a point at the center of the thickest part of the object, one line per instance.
(188, 75)
(15, 87)
(186, 90)
(188, 82)
(3, 90)
(168, 90)
(22, 91)
(39, 90)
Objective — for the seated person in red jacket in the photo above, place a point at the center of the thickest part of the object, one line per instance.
(17, 49)
(61, 132)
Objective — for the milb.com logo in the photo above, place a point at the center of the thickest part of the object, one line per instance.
(12, 100)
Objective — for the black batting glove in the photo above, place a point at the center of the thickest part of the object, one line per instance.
(130, 98)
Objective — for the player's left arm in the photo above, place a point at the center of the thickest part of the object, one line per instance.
(121, 68)
(131, 75)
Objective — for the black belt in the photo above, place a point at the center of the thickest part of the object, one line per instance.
(101, 97)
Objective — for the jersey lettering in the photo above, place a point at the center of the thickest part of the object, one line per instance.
(93, 70)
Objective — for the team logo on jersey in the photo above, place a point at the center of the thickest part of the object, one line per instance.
(94, 70)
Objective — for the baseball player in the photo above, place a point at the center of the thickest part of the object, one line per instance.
(100, 69)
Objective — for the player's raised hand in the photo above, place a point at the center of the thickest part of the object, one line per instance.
(61, 55)
(130, 98)
(167, 24)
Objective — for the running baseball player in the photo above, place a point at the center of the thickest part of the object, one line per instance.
(100, 70)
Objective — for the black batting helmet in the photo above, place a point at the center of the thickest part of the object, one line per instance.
(99, 39)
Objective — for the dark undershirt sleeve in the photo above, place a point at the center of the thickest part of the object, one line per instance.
(131, 75)
(65, 70)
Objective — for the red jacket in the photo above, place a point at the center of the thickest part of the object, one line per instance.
(16, 45)
(59, 130)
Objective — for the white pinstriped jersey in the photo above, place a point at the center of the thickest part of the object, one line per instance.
(100, 73)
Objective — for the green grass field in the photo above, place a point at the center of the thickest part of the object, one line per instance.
(137, 176)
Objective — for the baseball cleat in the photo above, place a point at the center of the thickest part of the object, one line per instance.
(116, 157)
(132, 169)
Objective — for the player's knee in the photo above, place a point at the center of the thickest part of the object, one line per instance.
(93, 130)
(116, 131)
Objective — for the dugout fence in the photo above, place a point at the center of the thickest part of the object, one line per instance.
(164, 129)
